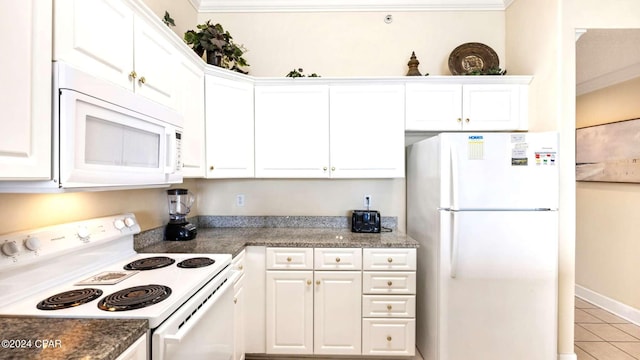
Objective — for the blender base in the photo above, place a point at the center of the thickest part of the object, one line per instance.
(180, 231)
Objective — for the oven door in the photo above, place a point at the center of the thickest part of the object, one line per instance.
(102, 144)
(200, 329)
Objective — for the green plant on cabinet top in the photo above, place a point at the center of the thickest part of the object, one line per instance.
(219, 46)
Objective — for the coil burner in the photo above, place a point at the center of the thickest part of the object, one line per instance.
(69, 299)
(134, 298)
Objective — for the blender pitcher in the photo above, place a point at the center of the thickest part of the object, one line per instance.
(178, 228)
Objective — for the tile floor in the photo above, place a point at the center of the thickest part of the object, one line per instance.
(600, 335)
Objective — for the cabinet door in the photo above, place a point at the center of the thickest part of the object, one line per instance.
(95, 36)
(239, 320)
(433, 107)
(190, 103)
(292, 131)
(367, 131)
(154, 64)
(390, 337)
(491, 107)
(229, 128)
(337, 312)
(289, 312)
(25, 91)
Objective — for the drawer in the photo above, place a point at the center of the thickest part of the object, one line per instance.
(391, 282)
(389, 259)
(238, 262)
(389, 306)
(391, 337)
(338, 259)
(289, 258)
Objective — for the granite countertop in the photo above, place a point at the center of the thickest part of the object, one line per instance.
(96, 339)
(233, 240)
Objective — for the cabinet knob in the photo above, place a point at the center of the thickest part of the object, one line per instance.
(459, 119)
(211, 168)
(337, 259)
(324, 168)
(289, 259)
(308, 282)
(390, 260)
(388, 338)
(389, 283)
(235, 300)
(389, 307)
(333, 168)
(466, 120)
(142, 80)
(317, 282)
(240, 267)
(133, 75)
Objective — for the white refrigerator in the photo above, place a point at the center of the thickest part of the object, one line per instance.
(484, 208)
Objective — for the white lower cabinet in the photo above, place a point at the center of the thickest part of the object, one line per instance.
(289, 306)
(337, 307)
(389, 337)
(237, 264)
(137, 350)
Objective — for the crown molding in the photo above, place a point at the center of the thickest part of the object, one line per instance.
(204, 6)
(608, 79)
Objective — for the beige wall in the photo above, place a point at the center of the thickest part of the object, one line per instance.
(182, 12)
(607, 244)
(357, 43)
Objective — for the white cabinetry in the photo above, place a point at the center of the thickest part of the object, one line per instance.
(255, 299)
(314, 312)
(137, 350)
(190, 103)
(367, 131)
(343, 130)
(110, 40)
(292, 131)
(229, 127)
(446, 106)
(25, 91)
(389, 287)
(238, 264)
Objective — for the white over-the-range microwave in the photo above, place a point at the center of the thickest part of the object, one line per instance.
(105, 136)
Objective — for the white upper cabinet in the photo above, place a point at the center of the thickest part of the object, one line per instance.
(367, 131)
(229, 128)
(292, 131)
(107, 39)
(190, 103)
(25, 91)
(489, 104)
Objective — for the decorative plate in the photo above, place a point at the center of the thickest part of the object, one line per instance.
(472, 58)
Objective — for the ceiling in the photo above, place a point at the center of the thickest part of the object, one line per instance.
(605, 57)
(346, 5)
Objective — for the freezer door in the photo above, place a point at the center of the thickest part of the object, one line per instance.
(499, 170)
(498, 280)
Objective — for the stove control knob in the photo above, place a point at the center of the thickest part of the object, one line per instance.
(32, 243)
(83, 233)
(10, 248)
(119, 224)
(129, 221)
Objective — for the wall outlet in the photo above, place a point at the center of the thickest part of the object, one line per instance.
(367, 201)
(240, 200)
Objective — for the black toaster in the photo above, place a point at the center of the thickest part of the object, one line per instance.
(365, 221)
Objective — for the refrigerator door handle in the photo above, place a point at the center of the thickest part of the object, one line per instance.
(453, 261)
(454, 178)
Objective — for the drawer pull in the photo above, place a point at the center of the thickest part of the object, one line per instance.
(389, 307)
(389, 283)
(390, 260)
(388, 338)
(308, 282)
(337, 259)
(289, 259)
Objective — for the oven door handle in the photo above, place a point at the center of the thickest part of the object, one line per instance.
(184, 330)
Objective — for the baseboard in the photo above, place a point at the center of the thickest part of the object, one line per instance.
(624, 311)
(567, 357)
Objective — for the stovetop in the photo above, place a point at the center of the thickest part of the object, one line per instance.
(99, 266)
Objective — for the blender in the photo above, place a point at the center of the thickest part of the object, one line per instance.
(178, 228)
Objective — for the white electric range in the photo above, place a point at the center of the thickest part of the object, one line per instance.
(88, 269)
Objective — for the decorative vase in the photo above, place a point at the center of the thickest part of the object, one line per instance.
(413, 65)
(214, 57)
